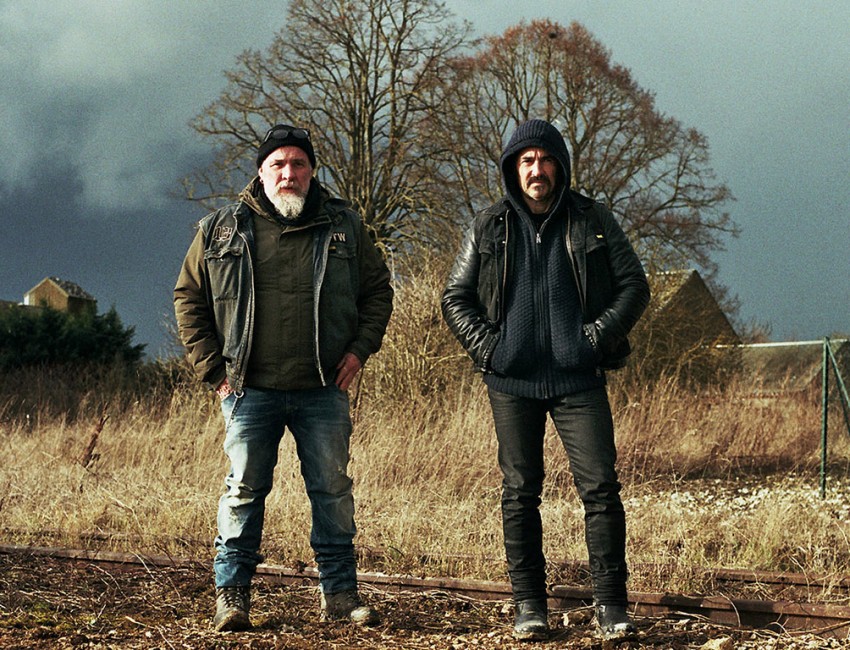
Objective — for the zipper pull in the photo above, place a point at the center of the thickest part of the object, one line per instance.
(538, 238)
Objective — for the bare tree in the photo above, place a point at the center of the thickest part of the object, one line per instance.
(409, 125)
(360, 74)
(653, 172)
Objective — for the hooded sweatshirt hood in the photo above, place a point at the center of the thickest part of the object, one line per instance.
(534, 133)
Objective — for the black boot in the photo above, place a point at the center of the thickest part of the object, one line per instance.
(614, 622)
(530, 622)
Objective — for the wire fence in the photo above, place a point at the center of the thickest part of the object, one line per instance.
(830, 362)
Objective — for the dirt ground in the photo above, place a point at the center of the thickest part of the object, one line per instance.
(48, 603)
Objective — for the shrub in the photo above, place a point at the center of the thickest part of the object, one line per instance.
(47, 337)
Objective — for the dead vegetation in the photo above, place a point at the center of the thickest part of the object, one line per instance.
(137, 466)
(55, 604)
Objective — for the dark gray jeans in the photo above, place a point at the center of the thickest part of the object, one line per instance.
(584, 424)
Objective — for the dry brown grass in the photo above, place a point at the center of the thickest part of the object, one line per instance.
(427, 485)
(424, 464)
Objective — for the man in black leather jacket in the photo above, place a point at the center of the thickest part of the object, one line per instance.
(542, 295)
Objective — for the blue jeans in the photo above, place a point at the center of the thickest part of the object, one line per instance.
(586, 429)
(254, 425)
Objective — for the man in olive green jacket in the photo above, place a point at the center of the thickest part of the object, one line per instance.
(281, 299)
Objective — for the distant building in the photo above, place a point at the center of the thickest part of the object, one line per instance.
(60, 295)
(681, 330)
(686, 310)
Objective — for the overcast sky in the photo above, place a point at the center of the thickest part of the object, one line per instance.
(96, 97)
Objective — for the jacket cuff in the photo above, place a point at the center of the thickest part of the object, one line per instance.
(214, 381)
(360, 352)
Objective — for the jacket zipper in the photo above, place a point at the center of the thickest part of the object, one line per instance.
(249, 319)
(504, 268)
(317, 289)
(542, 293)
(571, 257)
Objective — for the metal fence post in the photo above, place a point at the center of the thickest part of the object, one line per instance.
(825, 417)
(843, 397)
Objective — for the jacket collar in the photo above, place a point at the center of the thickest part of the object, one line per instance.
(319, 206)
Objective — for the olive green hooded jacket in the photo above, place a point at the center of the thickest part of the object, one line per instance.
(214, 295)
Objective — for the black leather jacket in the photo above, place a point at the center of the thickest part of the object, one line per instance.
(611, 281)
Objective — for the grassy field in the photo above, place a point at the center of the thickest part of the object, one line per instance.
(710, 479)
(711, 476)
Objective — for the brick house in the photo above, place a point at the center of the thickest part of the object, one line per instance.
(60, 295)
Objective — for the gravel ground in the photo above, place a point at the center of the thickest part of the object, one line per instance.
(746, 493)
(59, 604)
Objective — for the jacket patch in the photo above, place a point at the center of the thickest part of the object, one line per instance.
(338, 237)
(222, 233)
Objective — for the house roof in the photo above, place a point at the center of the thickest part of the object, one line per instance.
(72, 289)
(684, 296)
(666, 284)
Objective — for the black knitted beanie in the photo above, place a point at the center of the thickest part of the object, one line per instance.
(284, 135)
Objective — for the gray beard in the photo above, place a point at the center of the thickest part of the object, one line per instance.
(288, 205)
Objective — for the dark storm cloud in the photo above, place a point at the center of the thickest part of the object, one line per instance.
(111, 88)
(95, 106)
(96, 97)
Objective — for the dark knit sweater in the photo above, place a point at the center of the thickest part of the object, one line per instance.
(542, 351)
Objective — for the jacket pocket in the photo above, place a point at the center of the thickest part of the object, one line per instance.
(225, 268)
(338, 304)
(490, 252)
(341, 272)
